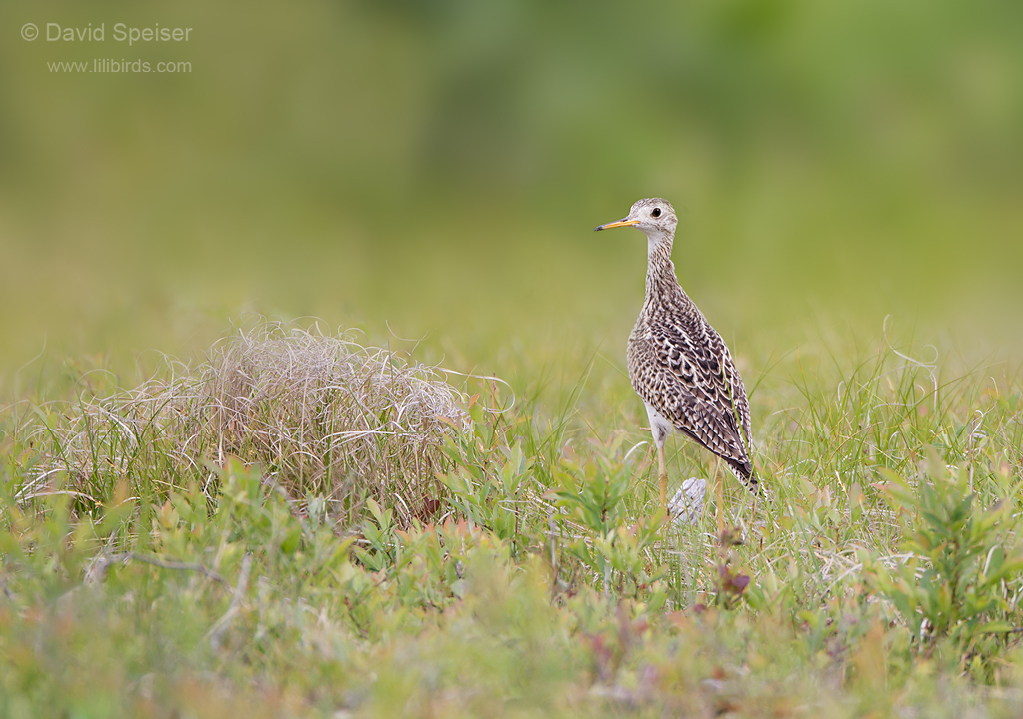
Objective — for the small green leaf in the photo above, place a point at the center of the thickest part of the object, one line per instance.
(997, 627)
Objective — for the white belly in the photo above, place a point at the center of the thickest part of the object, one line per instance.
(660, 427)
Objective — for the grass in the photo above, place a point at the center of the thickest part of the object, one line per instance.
(323, 415)
(303, 526)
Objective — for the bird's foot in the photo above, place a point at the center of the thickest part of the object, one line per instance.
(687, 504)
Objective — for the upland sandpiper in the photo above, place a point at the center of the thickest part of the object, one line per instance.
(678, 363)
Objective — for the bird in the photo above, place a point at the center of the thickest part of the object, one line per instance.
(678, 364)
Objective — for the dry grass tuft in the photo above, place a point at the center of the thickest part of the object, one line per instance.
(323, 415)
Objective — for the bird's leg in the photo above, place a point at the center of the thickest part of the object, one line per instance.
(663, 477)
(720, 490)
(754, 512)
(753, 517)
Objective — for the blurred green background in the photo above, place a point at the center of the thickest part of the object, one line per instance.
(438, 166)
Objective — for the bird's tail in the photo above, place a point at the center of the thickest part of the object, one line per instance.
(746, 473)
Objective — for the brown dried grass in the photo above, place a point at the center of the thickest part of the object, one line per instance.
(322, 414)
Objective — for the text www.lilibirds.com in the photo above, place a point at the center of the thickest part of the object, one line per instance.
(111, 65)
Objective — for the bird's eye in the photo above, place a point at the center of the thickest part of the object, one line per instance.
(656, 212)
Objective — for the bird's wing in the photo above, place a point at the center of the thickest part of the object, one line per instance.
(693, 382)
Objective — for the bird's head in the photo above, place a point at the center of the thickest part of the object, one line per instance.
(654, 216)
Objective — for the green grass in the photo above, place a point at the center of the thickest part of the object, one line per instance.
(528, 573)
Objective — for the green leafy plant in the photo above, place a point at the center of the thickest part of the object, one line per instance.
(492, 498)
(592, 495)
(960, 559)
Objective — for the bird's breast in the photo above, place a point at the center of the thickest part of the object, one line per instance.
(637, 352)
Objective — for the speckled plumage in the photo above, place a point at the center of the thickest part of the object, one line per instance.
(678, 363)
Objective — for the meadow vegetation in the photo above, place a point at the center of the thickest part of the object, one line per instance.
(325, 519)
(372, 537)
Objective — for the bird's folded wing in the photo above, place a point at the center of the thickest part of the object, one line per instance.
(695, 384)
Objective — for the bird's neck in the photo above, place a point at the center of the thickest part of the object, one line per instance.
(660, 272)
